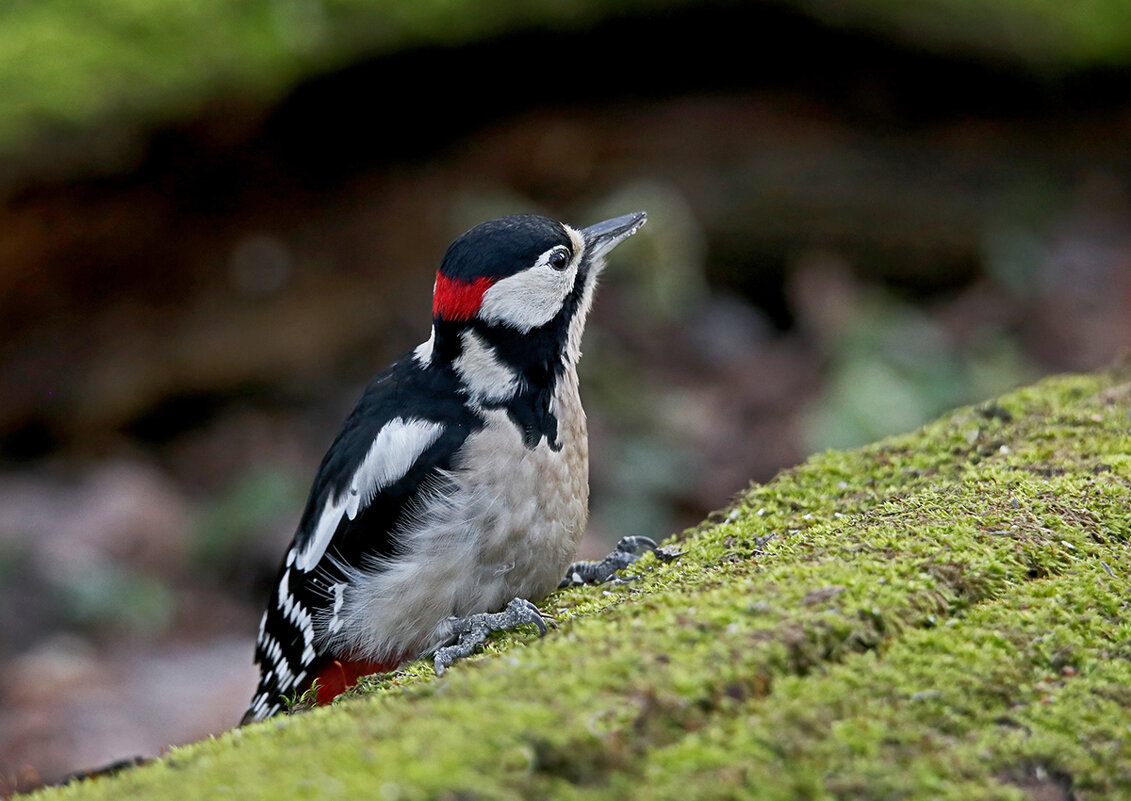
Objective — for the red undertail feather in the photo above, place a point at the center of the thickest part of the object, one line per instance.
(458, 300)
(339, 675)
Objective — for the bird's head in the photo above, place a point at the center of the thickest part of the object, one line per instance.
(525, 275)
(522, 271)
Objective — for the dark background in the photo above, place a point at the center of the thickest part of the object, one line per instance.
(855, 222)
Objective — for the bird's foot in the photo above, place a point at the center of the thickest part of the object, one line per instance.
(470, 632)
(628, 550)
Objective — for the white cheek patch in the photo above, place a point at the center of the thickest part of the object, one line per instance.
(530, 298)
(394, 451)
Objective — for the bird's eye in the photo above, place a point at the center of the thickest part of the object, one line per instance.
(559, 259)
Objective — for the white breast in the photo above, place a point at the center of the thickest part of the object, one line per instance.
(503, 523)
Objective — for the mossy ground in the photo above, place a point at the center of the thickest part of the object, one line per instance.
(941, 615)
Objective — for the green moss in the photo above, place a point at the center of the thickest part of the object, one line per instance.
(86, 73)
(84, 76)
(1036, 33)
(942, 614)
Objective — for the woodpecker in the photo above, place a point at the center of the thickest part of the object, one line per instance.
(457, 490)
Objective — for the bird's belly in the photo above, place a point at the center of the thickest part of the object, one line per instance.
(530, 506)
(507, 527)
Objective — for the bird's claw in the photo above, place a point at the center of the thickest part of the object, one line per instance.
(627, 551)
(470, 632)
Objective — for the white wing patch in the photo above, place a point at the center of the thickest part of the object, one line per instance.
(328, 521)
(395, 449)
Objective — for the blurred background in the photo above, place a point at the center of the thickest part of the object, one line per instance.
(218, 219)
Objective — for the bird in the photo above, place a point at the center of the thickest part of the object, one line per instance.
(456, 493)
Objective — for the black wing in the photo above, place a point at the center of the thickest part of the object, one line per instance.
(406, 427)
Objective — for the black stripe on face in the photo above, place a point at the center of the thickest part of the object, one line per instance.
(538, 357)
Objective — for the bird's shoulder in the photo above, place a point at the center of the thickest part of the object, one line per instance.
(408, 398)
(408, 424)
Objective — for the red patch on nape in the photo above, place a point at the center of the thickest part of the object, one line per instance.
(338, 675)
(458, 300)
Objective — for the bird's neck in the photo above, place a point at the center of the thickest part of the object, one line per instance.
(499, 355)
(495, 372)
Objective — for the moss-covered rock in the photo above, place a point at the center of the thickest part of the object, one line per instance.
(941, 615)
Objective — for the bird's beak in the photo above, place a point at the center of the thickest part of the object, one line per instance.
(604, 236)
